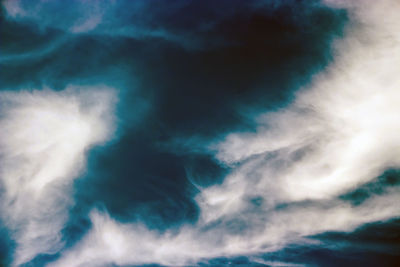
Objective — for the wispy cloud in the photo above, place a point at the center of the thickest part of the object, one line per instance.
(43, 143)
(135, 19)
(339, 133)
(142, 19)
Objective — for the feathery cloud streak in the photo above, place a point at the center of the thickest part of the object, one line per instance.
(43, 143)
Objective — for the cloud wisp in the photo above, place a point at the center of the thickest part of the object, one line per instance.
(106, 17)
(338, 134)
(146, 20)
(44, 139)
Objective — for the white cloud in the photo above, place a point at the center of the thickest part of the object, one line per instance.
(342, 131)
(338, 134)
(43, 141)
(110, 242)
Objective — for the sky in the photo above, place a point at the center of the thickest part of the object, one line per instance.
(199, 133)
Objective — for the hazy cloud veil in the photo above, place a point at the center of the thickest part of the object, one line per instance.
(198, 176)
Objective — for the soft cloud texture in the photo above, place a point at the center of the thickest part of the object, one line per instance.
(338, 134)
(43, 143)
(110, 242)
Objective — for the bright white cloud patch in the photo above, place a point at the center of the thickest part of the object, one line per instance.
(337, 135)
(43, 140)
(342, 131)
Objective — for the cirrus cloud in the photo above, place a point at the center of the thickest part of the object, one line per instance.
(44, 139)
